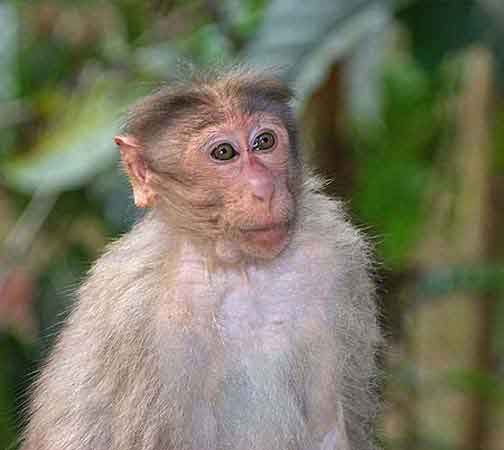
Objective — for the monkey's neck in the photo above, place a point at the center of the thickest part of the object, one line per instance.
(228, 253)
(214, 254)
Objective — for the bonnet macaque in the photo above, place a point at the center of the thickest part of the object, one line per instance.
(238, 314)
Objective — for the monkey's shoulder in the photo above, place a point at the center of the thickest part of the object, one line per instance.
(326, 234)
(131, 258)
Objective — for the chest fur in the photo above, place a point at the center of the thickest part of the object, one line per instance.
(241, 352)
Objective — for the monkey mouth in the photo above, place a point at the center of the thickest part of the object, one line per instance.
(282, 226)
(268, 233)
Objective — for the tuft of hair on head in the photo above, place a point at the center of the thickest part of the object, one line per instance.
(206, 96)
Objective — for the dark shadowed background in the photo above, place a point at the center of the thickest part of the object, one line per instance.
(401, 103)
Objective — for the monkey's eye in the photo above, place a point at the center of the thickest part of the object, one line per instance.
(264, 141)
(223, 152)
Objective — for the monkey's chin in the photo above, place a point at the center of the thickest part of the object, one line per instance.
(264, 242)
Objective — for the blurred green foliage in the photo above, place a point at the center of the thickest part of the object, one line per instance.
(68, 69)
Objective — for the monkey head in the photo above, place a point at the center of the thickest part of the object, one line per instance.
(218, 158)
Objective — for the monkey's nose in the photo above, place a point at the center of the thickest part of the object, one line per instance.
(260, 179)
(262, 187)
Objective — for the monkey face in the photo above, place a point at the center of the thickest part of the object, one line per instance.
(218, 158)
(244, 163)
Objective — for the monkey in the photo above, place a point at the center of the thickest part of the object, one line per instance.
(239, 313)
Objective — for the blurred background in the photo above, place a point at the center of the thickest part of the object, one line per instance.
(401, 103)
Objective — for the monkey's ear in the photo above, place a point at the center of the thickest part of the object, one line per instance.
(139, 174)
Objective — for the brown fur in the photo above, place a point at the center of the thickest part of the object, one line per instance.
(190, 334)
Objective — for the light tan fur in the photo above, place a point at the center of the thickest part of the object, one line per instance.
(196, 336)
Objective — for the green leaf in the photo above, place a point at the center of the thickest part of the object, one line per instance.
(8, 44)
(439, 28)
(494, 33)
(443, 281)
(487, 386)
(15, 357)
(78, 145)
(393, 160)
(8, 83)
(304, 39)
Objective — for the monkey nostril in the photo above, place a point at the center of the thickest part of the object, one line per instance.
(261, 189)
(262, 194)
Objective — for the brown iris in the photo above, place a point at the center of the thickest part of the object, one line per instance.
(223, 152)
(265, 141)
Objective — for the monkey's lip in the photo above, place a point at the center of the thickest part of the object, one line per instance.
(271, 233)
(265, 228)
